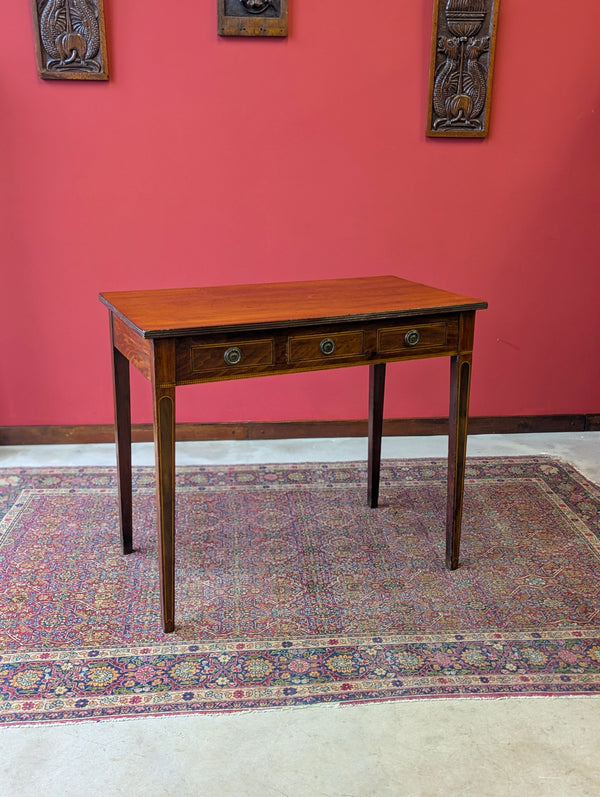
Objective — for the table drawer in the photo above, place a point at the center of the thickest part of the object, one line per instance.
(434, 335)
(230, 355)
(324, 346)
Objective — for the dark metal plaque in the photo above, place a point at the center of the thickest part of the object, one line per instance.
(252, 17)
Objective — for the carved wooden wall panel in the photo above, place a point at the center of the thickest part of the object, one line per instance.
(252, 17)
(462, 62)
(70, 39)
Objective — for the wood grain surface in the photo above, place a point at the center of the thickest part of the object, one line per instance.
(179, 311)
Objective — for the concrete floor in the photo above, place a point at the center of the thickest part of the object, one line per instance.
(510, 747)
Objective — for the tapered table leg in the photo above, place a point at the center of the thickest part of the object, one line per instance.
(376, 394)
(460, 379)
(123, 443)
(163, 389)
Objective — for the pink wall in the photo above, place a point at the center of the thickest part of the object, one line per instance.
(208, 160)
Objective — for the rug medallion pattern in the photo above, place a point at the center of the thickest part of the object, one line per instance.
(291, 591)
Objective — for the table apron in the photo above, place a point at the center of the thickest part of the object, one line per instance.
(138, 350)
(220, 356)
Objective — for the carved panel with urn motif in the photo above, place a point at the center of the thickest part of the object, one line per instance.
(462, 62)
(70, 39)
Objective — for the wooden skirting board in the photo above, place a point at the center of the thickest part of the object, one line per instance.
(400, 427)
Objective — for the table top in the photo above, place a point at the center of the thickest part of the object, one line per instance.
(176, 312)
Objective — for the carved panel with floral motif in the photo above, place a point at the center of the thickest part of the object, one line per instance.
(70, 39)
(462, 62)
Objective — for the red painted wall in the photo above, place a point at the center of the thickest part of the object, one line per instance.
(208, 160)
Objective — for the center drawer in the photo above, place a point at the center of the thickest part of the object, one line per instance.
(324, 346)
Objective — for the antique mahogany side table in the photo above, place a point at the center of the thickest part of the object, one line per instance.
(186, 336)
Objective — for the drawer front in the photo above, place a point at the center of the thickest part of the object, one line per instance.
(218, 356)
(323, 347)
(413, 338)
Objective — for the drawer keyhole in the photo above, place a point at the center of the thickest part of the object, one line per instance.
(412, 337)
(233, 355)
(327, 346)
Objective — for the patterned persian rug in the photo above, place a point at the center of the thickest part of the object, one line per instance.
(291, 591)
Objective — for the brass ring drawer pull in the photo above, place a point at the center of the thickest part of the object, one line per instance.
(327, 346)
(412, 337)
(233, 355)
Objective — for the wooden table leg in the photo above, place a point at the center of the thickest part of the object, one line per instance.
(460, 378)
(163, 388)
(376, 394)
(123, 442)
